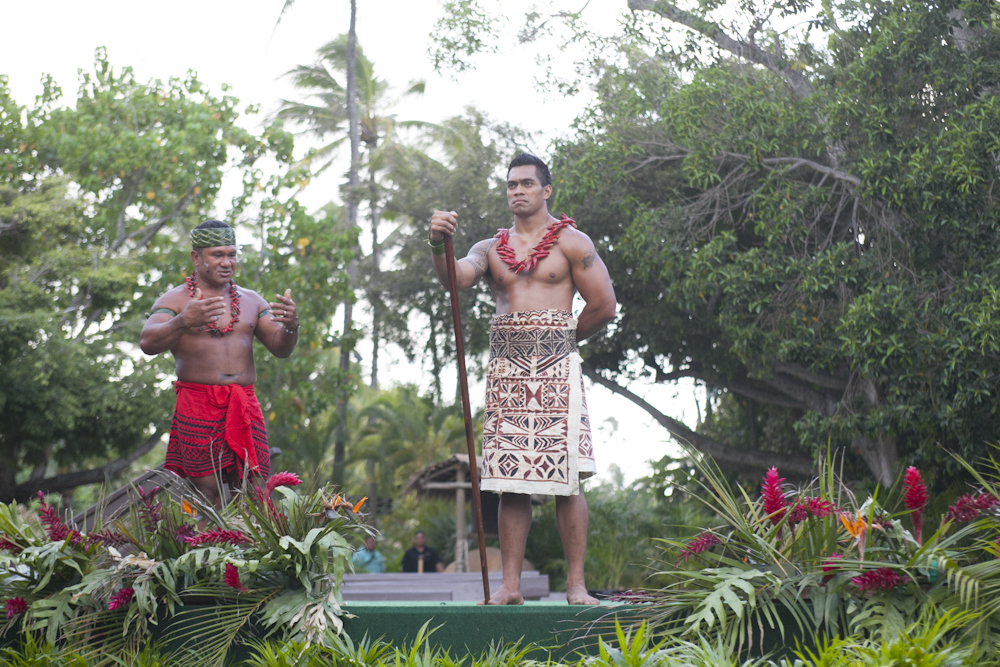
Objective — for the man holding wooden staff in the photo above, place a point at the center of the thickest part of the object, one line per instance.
(536, 433)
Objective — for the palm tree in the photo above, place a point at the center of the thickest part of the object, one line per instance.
(352, 221)
(323, 116)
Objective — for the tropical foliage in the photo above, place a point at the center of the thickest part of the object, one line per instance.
(815, 565)
(177, 570)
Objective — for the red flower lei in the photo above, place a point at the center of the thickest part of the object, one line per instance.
(234, 307)
(537, 253)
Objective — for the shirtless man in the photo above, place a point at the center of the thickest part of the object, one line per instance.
(536, 435)
(209, 325)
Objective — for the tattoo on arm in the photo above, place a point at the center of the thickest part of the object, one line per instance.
(479, 257)
(588, 259)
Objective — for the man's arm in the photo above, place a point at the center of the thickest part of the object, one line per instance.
(591, 279)
(278, 329)
(469, 270)
(161, 332)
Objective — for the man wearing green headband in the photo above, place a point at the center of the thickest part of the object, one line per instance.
(209, 324)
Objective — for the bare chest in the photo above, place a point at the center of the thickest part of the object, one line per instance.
(552, 270)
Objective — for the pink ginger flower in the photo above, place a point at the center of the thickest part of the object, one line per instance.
(281, 479)
(8, 545)
(232, 578)
(915, 498)
(830, 565)
(882, 579)
(150, 510)
(54, 526)
(112, 538)
(698, 545)
(967, 507)
(820, 508)
(15, 607)
(219, 536)
(775, 503)
(121, 598)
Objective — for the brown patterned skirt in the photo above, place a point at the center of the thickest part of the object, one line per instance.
(536, 432)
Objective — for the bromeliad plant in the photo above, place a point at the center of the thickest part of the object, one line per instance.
(272, 554)
(812, 561)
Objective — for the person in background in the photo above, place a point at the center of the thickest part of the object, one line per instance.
(420, 557)
(368, 559)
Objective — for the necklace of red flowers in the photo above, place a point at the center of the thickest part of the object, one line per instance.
(537, 253)
(234, 308)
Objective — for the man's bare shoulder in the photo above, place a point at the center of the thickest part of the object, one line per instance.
(251, 297)
(175, 298)
(576, 245)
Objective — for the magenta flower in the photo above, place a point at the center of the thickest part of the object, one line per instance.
(967, 507)
(185, 533)
(281, 479)
(830, 565)
(109, 537)
(121, 598)
(219, 536)
(819, 508)
(150, 510)
(774, 498)
(8, 545)
(882, 579)
(54, 526)
(15, 607)
(232, 578)
(915, 498)
(698, 545)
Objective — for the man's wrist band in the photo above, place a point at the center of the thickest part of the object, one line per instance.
(437, 247)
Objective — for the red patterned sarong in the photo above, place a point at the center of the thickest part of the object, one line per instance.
(217, 428)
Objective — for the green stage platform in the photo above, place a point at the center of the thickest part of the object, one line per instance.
(469, 628)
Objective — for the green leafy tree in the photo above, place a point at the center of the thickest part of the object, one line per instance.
(804, 218)
(96, 203)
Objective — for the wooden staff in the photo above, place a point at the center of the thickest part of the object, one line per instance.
(463, 382)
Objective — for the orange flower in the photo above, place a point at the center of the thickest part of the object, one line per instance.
(359, 504)
(857, 529)
(187, 508)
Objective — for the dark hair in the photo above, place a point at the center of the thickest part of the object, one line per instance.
(213, 224)
(420, 532)
(526, 159)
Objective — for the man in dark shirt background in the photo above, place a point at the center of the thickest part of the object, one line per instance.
(420, 557)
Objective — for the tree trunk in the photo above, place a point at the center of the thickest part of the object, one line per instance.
(375, 292)
(340, 438)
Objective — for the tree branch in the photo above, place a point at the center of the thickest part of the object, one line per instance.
(776, 63)
(742, 460)
(71, 480)
(801, 372)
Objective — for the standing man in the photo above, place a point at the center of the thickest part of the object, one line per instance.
(536, 433)
(209, 324)
(421, 558)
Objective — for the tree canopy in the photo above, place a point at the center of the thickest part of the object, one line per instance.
(804, 219)
(96, 199)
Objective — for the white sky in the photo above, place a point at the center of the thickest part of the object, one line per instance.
(230, 41)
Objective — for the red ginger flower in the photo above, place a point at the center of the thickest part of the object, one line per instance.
(774, 498)
(698, 545)
(112, 538)
(121, 598)
(218, 536)
(830, 565)
(915, 498)
(968, 507)
(232, 578)
(882, 579)
(281, 479)
(54, 526)
(15, 607)
(8, 545)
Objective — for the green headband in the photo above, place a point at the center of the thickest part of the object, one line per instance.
(215, 236)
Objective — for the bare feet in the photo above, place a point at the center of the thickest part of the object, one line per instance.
(505, 595)
(577, 594)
